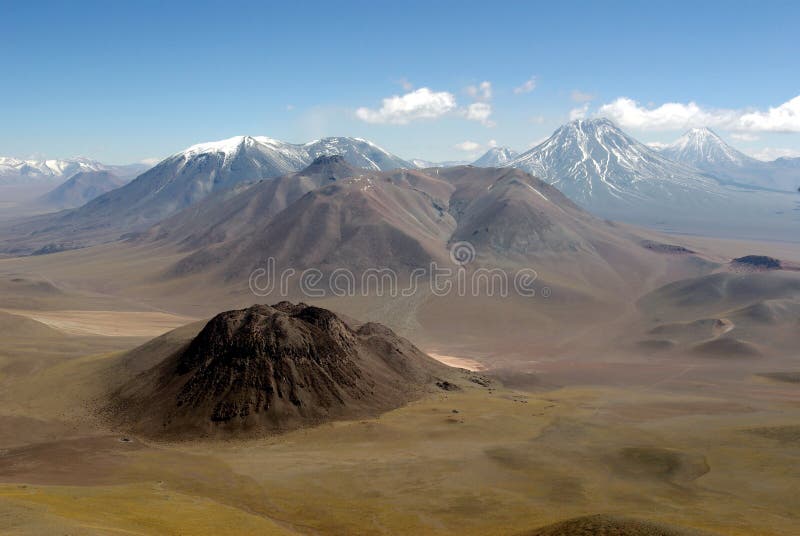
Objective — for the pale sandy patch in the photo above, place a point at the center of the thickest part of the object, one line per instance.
(108, 323)
(460, 362)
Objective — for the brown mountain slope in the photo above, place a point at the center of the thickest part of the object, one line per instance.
(234, 212)
(368, 221)
(407, 219)
(275, 368)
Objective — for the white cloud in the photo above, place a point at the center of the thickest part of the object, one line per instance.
(744, 136)
(492, 143)
(401, 109)
(783, 118)
(675, 116)
(579, 113)
(479, 111)
(580, 96)
(527, 86)
(670, 116)
(468, 146)
(771, 153)
(150, 161)
(481, 92)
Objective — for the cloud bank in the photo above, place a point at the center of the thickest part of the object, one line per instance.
(675, 116)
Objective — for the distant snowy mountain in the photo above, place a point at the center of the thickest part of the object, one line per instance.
(186, 178)
(190, 175)
(705, 150)
(613, 175)
(496, 157)
(15, 171)
(419, 163)
(599, 166)
(357, 152)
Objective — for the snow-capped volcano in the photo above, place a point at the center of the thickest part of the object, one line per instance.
(599, 166)
(189, 176)
(615, 176)
(496, 157)
(704, 149)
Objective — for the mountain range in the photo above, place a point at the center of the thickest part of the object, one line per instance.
(705, 150)
(697, 183)
(182, 180)
(19, 171)
(611, 174)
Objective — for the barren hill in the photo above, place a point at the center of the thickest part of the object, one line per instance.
(272, 369)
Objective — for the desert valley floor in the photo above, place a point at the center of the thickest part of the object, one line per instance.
(623, 411)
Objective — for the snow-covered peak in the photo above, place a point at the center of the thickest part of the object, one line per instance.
(230, 146)
(357, 151)
(17, 169)
(598, 165)
(496, 157)
(704, 149)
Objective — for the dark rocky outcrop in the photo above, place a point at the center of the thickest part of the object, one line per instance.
(273, 369)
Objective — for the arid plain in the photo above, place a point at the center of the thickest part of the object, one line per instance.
(626, 408)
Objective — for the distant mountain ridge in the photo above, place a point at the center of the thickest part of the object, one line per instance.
(611, 174)
(496, 157)
(20, 171)
(184, 179)
(599, 166)
(704, 149)
(420, 163)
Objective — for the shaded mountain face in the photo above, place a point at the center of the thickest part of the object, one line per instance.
(496, 157)
(521, 216)
(236, 211)
(405, 220)
(705, 150)
(266, 369)
(393, 220)
(180, 181)
(80, 189)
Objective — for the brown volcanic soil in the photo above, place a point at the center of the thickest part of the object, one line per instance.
(274, 369)
(609, 525)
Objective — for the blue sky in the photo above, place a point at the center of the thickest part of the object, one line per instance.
(127, 81)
